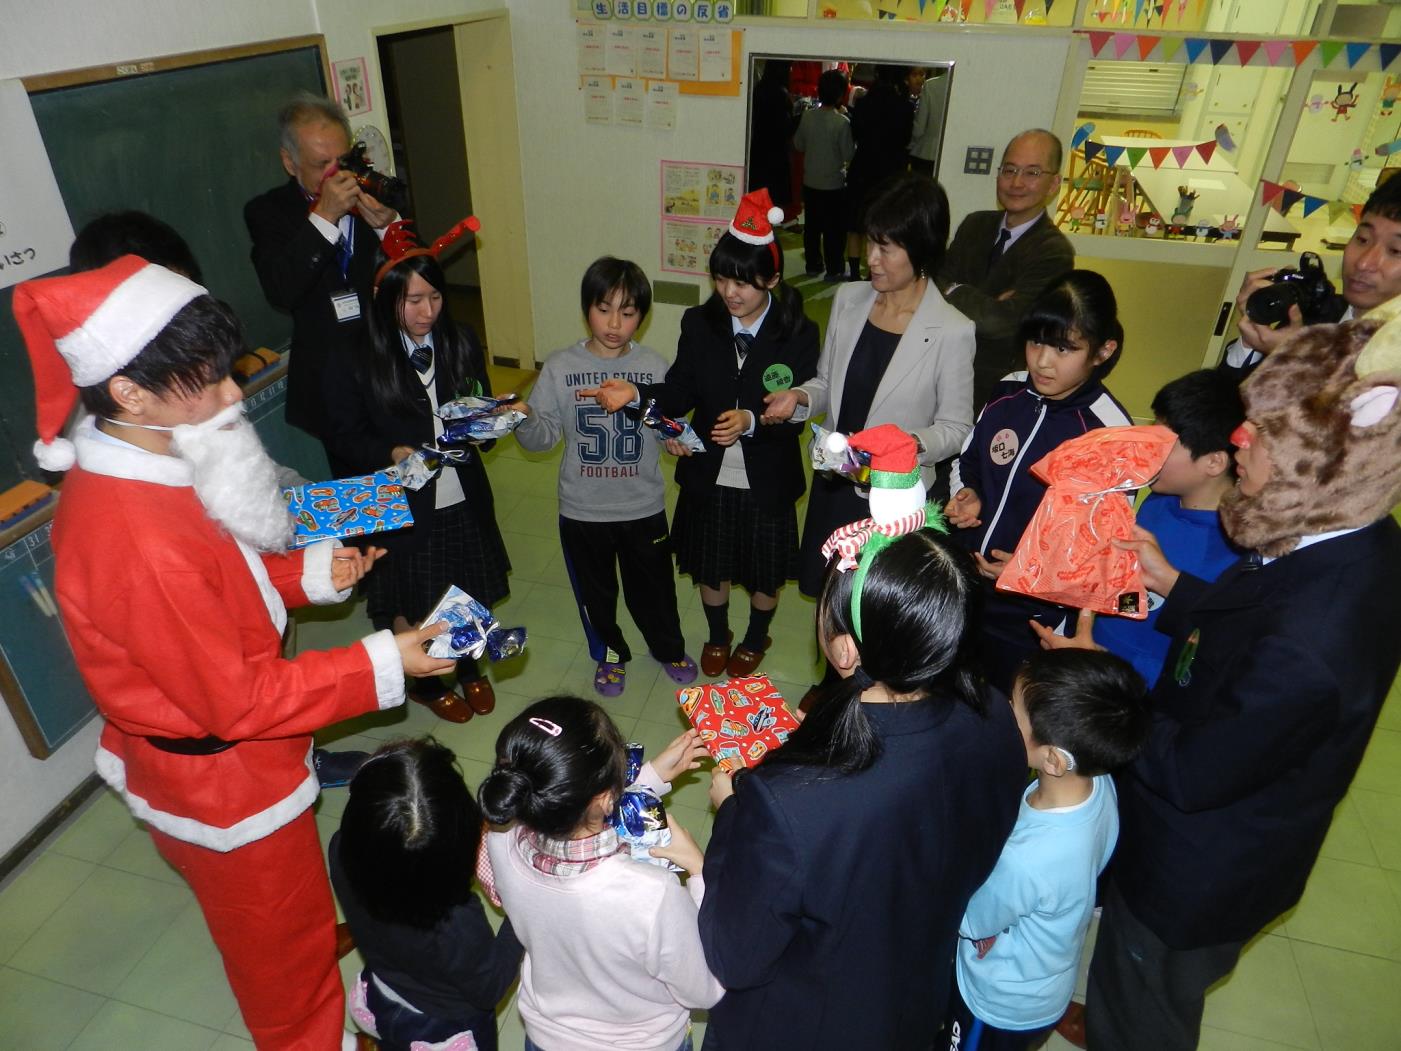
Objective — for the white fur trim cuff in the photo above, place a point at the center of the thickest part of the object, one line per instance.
(389, 668)
(316, 574)
(252, 828)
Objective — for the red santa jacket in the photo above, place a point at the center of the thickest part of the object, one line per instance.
(177, 632)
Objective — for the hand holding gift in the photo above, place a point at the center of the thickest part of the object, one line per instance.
(1068, 553)
(740, 720)
(472, 630)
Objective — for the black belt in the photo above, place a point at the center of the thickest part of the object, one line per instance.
(191, 745)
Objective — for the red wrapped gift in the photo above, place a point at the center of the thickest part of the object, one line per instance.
(740, 720)
(1066, 555)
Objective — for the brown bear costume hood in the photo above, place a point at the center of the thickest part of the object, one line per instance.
(1327, 408)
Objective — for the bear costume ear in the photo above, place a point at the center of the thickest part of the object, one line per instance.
(1373, 405)
(1382, 354)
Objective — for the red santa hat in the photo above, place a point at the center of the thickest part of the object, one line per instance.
(896, 486)
(401, 242)
(753, 221)
(84, 328)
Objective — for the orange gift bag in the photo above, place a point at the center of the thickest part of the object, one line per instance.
(1065, 555)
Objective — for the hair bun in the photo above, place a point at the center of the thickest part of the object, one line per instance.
(504, 793)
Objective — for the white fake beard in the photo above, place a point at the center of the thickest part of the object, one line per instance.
(235, 479)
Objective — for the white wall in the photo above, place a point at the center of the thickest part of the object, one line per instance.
(594, 189)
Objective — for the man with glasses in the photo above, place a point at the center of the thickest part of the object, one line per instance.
(1000, 260)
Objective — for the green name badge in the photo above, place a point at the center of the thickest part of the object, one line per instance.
(778, 377)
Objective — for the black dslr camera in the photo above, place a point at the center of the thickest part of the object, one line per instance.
(386, 189)
(1307, 286)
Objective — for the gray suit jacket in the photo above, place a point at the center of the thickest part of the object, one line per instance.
(927, 389)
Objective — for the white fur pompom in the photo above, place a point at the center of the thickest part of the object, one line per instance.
(836, 443)
(57, 456)
(775, 215)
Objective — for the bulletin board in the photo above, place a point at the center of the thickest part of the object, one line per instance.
(698, 199)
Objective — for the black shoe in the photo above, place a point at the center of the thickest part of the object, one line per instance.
(335, 769)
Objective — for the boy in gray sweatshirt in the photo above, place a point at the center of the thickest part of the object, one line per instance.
(612, 508)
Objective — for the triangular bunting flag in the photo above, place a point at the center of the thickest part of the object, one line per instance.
(1182, 154)
(1122, 42)
(1097, 42)
(1158, 154)
(1020, 5)
(1302, 49)
(1328, 50)
(1356, 212)
(988, 6)
(1269, 192)
(1195, 47)
(1275, 49)
(1171, 45)
(1387, 54)
(1336, 210)
(1219, 50)
(1137, 10)
(1288, 199)
(1048, 7)
(1354, 52)
(1206, 149)
(1145, 46)
(1112, 155)
(1246, 50)
(1312, 204)
(1092, 149)
(1136, 154)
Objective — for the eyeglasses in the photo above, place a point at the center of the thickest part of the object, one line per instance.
(1011, 171)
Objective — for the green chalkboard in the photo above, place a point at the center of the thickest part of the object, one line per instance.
(190, 141)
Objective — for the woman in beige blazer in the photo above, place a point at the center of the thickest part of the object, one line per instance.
(895, 352)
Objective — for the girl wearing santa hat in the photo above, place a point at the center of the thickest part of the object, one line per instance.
(735, 519)
(414, 359)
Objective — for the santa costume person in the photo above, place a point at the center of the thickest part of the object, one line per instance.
(173, 582)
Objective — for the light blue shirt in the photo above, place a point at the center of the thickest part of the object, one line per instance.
(1038, 902)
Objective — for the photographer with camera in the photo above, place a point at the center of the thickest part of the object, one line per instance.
(1273, 308)
(315, 239)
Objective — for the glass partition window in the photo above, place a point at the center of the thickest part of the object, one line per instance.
(1169, 150)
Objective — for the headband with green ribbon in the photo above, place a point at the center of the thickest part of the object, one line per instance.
(859, 543)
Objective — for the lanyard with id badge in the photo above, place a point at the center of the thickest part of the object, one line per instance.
(345, 302)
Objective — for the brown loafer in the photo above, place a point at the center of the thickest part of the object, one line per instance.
(745, 660)
(714, 657)
(481, 698)
(345, 941)
(810, 698)
(446, 705)
(1072, 1024)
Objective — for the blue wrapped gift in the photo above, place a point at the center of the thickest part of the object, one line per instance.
(347, 507)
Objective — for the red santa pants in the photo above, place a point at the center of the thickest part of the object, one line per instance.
(268, 906)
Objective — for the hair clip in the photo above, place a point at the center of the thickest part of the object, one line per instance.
(553, 729)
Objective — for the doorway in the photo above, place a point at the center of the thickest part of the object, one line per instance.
(436, 83)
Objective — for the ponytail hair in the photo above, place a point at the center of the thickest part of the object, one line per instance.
(919, 613)
(551, 761)
(410, 834)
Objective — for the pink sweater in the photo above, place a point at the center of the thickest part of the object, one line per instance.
(613, 957)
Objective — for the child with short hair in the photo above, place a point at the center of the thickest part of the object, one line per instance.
(1203, 408)
(402, 867)
(1082, 713)
(1073, 339)
(736, 520)
(613, 954)
(612, 499)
